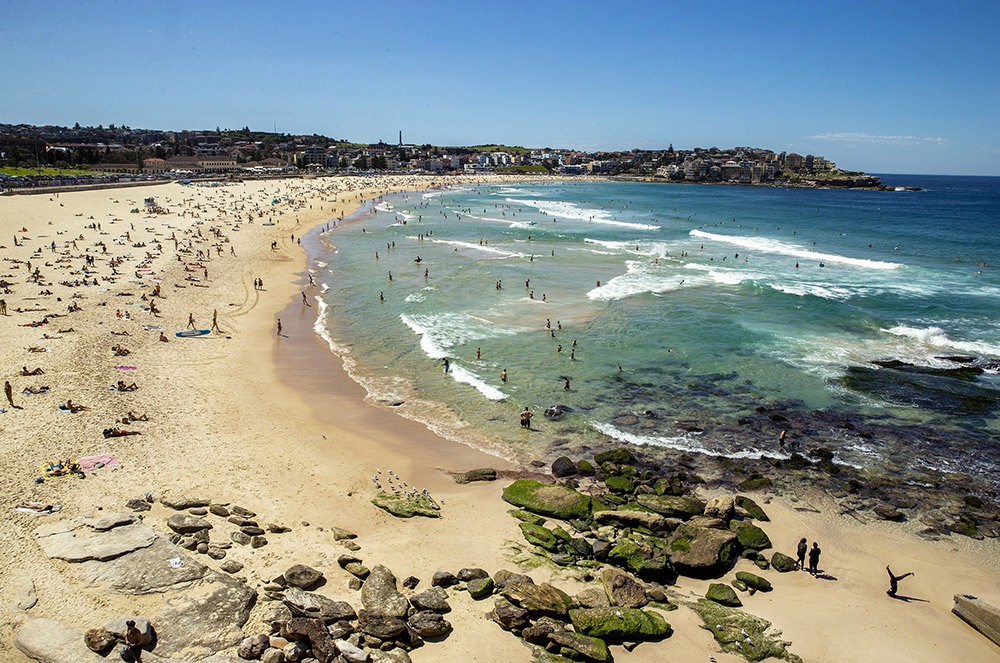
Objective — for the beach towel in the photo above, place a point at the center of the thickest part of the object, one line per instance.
(91, 463)
(125, 368)
(152, 327)
(38, 507)
(61, 468)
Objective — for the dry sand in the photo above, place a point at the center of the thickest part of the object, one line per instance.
(273, 423)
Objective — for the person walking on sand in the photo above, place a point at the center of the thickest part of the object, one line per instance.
(894, 581)
(3, 307)
(526, 415)
(9, 393)
(814, 558)
(803, 548)
(215, 321)
(190, 321)
(279, 327)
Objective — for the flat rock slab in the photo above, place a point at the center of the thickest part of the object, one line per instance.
(181, 503)
(49, 641)
(183, 524)
(108, 521)
(147, 570)
(204, 619)
(74, 541)
(311, 604)
(981, 616)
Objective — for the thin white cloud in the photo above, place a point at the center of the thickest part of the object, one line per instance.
(851, 137)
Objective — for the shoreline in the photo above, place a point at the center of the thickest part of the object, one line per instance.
(243, 420)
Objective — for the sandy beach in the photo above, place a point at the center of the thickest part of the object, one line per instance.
(245, 416)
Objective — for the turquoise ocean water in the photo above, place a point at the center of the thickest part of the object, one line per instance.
(715, 300)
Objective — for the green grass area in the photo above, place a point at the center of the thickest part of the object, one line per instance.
(523, 169)
(351, 146)
(11, 170)
(501, 148)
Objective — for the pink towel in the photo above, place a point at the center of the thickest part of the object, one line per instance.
(89, 463)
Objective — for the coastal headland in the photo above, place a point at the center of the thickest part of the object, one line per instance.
(254, 450)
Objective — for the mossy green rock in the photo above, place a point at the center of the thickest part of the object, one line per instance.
(672, 486)
(750, 535)
(548, 500)
(727, 625)
(753, 580)
(756, 483)
(585, 468)
(539, 600)
(620, 484)
(642, 559)
(723, 594)
(591, 649)
(619, 623)
(702, 551)
(403, 507)
(527, 516)
(480, 588)
(783, 563)
(739, 584)
(620, 456)
(751, 507)
(672, 506)
(539, 536)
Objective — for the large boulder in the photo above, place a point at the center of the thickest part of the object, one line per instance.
(380, 596)
(182, 503)
(591, 649)
(722, 507)
(539, 536)
(548, 500)
(481, 474)
(723, 594)
(302, 576)
(184, 524)
(508, 615)
(751, 537)
(313, 631)
(651, 521)
(543, 599)
(622, 589)
(783, 563)
(480, 588)
(702, 551)
(751, 507)
(253, 647)
(98, 640)
(672, 506)
(407, 507)
(383, 627)
(642, 558)
(317, 606)
(563, 467)
(619, 623)
(753, 580)
(429, 624)
(593, 597)
(619, 456)
(981, 616)
(435, 599)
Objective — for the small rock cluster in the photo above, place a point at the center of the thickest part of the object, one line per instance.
(191, 529)
(305, 625)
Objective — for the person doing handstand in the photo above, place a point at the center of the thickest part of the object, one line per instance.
(894, 581)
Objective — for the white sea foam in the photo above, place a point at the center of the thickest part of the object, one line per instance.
(323, 287)
(688, 442)
(936, 337)
(776, 246)
(566, 210)
(479, 247)
(641, 277)
(439, 333)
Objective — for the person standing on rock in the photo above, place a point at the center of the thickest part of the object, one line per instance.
(802, 549)
(814, 558)
(133, 642)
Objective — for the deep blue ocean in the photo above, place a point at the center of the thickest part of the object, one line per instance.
(714, 300)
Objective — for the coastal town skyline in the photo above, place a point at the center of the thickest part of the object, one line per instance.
(896, 93)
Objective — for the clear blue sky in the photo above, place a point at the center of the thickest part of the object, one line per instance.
(901, 87)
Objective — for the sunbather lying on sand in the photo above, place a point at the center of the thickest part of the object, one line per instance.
(121, 386)
(32, 390)
(68, 406)
(129, 418)
(118, 432)
(120, 351)
(25, 371)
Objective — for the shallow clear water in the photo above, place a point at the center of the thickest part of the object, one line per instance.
(713, 299)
